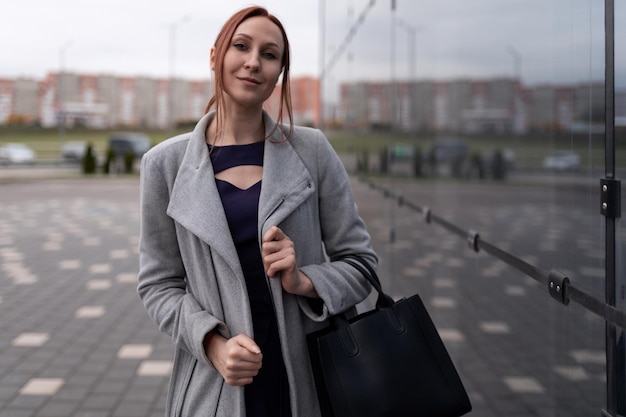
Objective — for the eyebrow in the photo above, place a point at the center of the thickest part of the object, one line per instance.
(250, 38)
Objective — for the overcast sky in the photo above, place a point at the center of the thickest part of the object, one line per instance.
(543, 40)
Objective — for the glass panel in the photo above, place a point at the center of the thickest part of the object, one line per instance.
(491, 114)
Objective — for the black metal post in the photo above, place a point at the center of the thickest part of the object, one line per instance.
(615, 370)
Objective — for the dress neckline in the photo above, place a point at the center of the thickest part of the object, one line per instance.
(235, 145)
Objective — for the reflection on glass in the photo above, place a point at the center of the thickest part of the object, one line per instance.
(445, 92)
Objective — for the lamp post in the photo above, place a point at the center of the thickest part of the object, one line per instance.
(61, 91)
(517, 62)
(412, 32)
(172, 72)
(322, 62)
(394, 86)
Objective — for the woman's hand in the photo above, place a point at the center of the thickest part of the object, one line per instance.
(237, 359)
(279, 261)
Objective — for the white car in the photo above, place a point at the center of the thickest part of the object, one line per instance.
(16, 153)
(74, 150)
(562, 161)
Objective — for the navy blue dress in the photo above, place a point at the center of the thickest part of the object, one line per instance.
(268, 394)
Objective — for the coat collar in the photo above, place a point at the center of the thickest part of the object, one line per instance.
(195, 202)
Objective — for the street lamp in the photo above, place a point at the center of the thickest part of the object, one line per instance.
(172, 61)
(322, 62)
(412, 32)
(61, 91)
(517, 62)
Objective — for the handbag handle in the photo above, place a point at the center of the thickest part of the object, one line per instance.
(370, 274)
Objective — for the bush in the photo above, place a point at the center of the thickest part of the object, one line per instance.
(362, 161)
(129, 161)
(110, 160)
(384, 160)
(478, 165)
(417, 162)
(499, 165)
(89, 163)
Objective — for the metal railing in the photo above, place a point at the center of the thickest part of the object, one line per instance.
(558, 284)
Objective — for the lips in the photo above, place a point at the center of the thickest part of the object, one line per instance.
(250, 80)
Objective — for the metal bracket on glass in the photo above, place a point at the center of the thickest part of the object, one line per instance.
(557, 285)
(426, 214)
(472, 240)
(610, 197)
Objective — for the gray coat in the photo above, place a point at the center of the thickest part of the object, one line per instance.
(190, 278)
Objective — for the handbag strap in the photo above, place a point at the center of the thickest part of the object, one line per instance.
(370, 274)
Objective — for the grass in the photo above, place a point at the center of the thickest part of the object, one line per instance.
(529, 149)
(47, 142)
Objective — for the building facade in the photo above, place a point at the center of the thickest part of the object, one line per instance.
(107, 101)
(469, 106)
(466, 106)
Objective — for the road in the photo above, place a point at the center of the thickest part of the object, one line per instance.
(76, 341)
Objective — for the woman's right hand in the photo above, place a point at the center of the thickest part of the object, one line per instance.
(237, 359)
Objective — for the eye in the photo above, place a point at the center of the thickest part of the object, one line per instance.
(240, 45)
(269, 55)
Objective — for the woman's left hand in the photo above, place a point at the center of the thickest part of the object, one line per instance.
(279, 261)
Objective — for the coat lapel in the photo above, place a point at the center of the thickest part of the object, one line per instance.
(287, 182)
(195, 202)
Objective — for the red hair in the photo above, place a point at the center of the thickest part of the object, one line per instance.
(222, 44)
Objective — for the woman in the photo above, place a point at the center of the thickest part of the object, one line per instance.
(244, 223)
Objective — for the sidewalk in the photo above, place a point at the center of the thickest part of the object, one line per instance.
(30, 173)
(76, 341)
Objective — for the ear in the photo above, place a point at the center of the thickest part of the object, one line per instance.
(212, 58)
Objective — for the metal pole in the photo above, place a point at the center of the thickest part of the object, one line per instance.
(517, 63)
(322, 62)
(615, 350)
(171, 120)
(412, 37)
(394, 92)
(61, 91)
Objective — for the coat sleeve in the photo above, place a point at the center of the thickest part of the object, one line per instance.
(162, 279)
(343, 233)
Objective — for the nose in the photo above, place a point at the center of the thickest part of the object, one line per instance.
(252, 62)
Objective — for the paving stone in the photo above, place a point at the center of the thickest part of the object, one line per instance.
(57, 408)
(31, 339)
(42, 386)
(102, 401)
(495, 322)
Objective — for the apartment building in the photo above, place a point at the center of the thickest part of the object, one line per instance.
(305, 101)
(107, 101)
(499, 105)
(19, 100)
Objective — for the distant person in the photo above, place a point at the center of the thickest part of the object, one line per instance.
(244, 224)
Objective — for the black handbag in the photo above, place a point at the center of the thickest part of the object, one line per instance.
(389, 361)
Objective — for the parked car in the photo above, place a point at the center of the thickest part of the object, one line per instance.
(562, 161)
(17, 153)
(74, 150)
(124, 143)
(447, 157)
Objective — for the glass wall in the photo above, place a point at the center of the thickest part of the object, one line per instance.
(491, 116)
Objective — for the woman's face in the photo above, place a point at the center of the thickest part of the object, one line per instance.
(252, 62)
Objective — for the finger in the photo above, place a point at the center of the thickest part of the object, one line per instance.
(248, 344)
(274, 233)
(278, 248)
(240, 377)
(279, 266)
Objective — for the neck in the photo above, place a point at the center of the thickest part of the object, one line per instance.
(239, 128)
